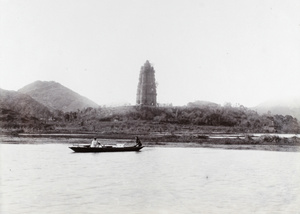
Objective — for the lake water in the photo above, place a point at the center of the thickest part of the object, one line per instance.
(50, 178)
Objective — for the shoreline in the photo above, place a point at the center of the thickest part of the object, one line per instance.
(248, 142)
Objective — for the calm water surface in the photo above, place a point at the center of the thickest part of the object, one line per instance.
(50, 178)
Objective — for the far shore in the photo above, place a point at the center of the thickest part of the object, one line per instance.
(269, 142)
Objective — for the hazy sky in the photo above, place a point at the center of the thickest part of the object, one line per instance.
(238, 51)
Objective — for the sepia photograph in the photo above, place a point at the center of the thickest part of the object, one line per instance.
(149, 107)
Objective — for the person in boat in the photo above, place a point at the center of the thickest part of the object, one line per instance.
(137, 142)
(95, 143)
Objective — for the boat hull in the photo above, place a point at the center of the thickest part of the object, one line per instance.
(106, 149)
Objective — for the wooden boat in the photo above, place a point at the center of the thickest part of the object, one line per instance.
(105, 148)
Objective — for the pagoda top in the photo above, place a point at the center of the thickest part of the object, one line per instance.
(147, 63)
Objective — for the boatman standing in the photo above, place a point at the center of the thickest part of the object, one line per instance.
(137, 142)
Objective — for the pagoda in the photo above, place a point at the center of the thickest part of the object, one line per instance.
(146, 90)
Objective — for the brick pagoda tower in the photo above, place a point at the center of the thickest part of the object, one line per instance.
(146, 91)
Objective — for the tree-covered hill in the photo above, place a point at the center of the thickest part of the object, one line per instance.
(178, 119)
(198, 117)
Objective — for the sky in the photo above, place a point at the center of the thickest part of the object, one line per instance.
(225, 51)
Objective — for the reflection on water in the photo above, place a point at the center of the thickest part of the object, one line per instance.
(50, 178)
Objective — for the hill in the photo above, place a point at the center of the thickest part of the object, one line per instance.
(23, 104)
(288, 106)
(56, 96)
(188, 120)
(201, 103)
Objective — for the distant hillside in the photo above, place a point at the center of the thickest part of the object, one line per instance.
(288, 106)
(23, 104)
(200, 103)
(56, 96)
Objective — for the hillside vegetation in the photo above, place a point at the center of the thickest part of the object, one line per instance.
(15, 122)
(135, 120)
(178, 119)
